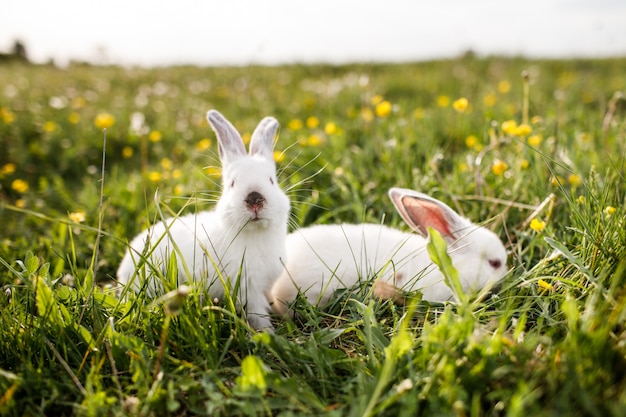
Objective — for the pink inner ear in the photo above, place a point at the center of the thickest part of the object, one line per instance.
(425, 213)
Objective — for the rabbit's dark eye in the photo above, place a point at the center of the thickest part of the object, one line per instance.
(272, 180)
(232, 183)
(495, 263)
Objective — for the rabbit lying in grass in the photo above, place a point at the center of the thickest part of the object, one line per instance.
(322, 259)
(240, 244)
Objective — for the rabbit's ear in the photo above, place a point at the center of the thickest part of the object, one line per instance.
(230, 144)
(262, 141)
(420, 211)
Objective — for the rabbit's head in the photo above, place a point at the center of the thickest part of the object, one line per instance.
(251, 197)
(477, 253)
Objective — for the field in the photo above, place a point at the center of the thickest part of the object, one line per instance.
(534, 150)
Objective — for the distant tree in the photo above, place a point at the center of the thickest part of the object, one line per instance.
(19, 51)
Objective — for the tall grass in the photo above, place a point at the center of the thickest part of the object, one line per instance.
(538, 158)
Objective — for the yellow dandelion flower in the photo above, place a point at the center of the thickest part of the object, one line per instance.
(609, 211)
(537, 225)
(383, 109)
(178, 189)
(419, 113)
(49, 127)
(524, 164)
(279, 156)
(213, 171)
(127, 152)
(73, 118)
(155, 136)
(499, 167)
(509, 127)
(544, 285)
(312, 122)
(376, 99)
(330, 128)
(443, 101)
(367, 114)
(460, 105)
(581, 199)
(246, 137)
(463, 167)
(504, 87)
(104, 121)
(574, 180)
(20, 186)
(471, 141)
(535, 140)
(314, 140)
(204, 144)
(155, 176)
(177, 173)
(20, 203)
(78, 216)
(8, 169)
(523, 130)
(556, 181)
(489, 100)
(167, 164)
(294, 124)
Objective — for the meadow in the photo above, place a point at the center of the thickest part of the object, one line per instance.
(533, 150)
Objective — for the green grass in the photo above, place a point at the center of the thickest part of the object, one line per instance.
(551, 340)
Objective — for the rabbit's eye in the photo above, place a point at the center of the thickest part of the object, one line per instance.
(495, 263)
(232, 183)
(271, 180)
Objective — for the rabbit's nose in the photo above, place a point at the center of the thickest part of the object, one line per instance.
(255, 200)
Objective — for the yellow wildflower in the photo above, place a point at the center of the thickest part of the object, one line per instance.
(204, 144)
(376, 99)
(49, 127)
(177, 173)
(20, 186)
(367, 114)
(312, 122)
(330, 128)
(7, 115)
(279, 156)
(73, 118)
(155, 176)
(383, 109)
(471, 141)
(8, 169)
(504, 87)
(556, 181)
(537, 225)
(460, 105)
(178, 189)
(127, 152)
(167, 164)
(104, 121)
(509, 127)
(580, 199)
(609, 211)
(536, 120)
(574, 180)
(499, 167)
(246, 137)
(77, 216)
(544, 285)
(294, 124)
(535, 140)
(314, 140)
(523, 130)
(155, 136)
(20, 203)
(524, 163)
(489, 100)
(443, 101)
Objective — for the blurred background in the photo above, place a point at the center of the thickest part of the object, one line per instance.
(240, 32)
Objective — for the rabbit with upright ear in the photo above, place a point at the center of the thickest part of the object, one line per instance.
(324, 258)
(240, 243)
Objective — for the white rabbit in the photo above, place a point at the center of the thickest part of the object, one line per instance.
(241, 242)
(324, 258)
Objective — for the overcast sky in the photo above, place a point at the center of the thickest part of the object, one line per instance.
(156, 32)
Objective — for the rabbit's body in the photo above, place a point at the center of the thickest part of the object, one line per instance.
(322, 259)
(241, 242)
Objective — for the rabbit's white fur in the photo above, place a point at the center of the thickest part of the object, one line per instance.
(324, 258)
(242, 239)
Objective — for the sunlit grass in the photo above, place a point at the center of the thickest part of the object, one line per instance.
(534, 150)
